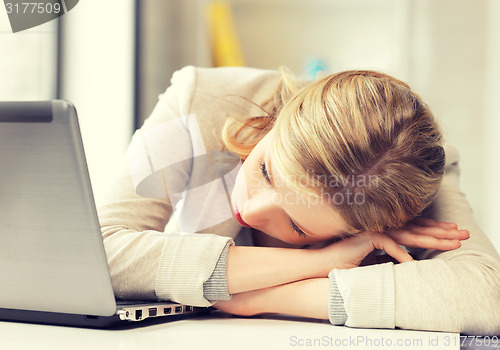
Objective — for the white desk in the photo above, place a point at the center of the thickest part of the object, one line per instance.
(221, 331)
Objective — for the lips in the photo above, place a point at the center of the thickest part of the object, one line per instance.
(237, 215)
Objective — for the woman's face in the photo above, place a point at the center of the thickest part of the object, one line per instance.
(271, 207)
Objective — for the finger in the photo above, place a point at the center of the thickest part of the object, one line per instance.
(422, 241)
(384, 242)
(437, 232)
(428, 222)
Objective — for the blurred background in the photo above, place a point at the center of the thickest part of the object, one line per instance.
(113, 58)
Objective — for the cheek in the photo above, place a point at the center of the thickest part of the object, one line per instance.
(239, 189)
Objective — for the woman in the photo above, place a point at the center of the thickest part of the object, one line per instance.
(349, 163)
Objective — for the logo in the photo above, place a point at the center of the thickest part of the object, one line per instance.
(170, 161)
(24, 15)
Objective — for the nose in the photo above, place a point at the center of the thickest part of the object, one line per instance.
(260, 208)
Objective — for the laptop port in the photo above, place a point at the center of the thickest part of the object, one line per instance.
(152, 312)
(167, 310)
(138, 314)
(189, 308)
(178, 309)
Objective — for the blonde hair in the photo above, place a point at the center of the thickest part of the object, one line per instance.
(361, 134)
(241, 135)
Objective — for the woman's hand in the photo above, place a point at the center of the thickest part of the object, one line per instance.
(429, 234)
(350, 252)
(419, 233)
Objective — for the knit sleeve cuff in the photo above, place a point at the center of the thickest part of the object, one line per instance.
(215, 288)
(336, 310)
(186, 263)
(368, 293)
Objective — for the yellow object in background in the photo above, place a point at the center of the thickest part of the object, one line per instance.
(226, 48)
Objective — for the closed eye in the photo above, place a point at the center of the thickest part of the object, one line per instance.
(297, 229)
(294, 227)
(264, 172)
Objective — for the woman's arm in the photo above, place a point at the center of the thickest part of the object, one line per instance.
(307, 298)
(251, 268)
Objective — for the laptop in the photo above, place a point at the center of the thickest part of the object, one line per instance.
(53, 266)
